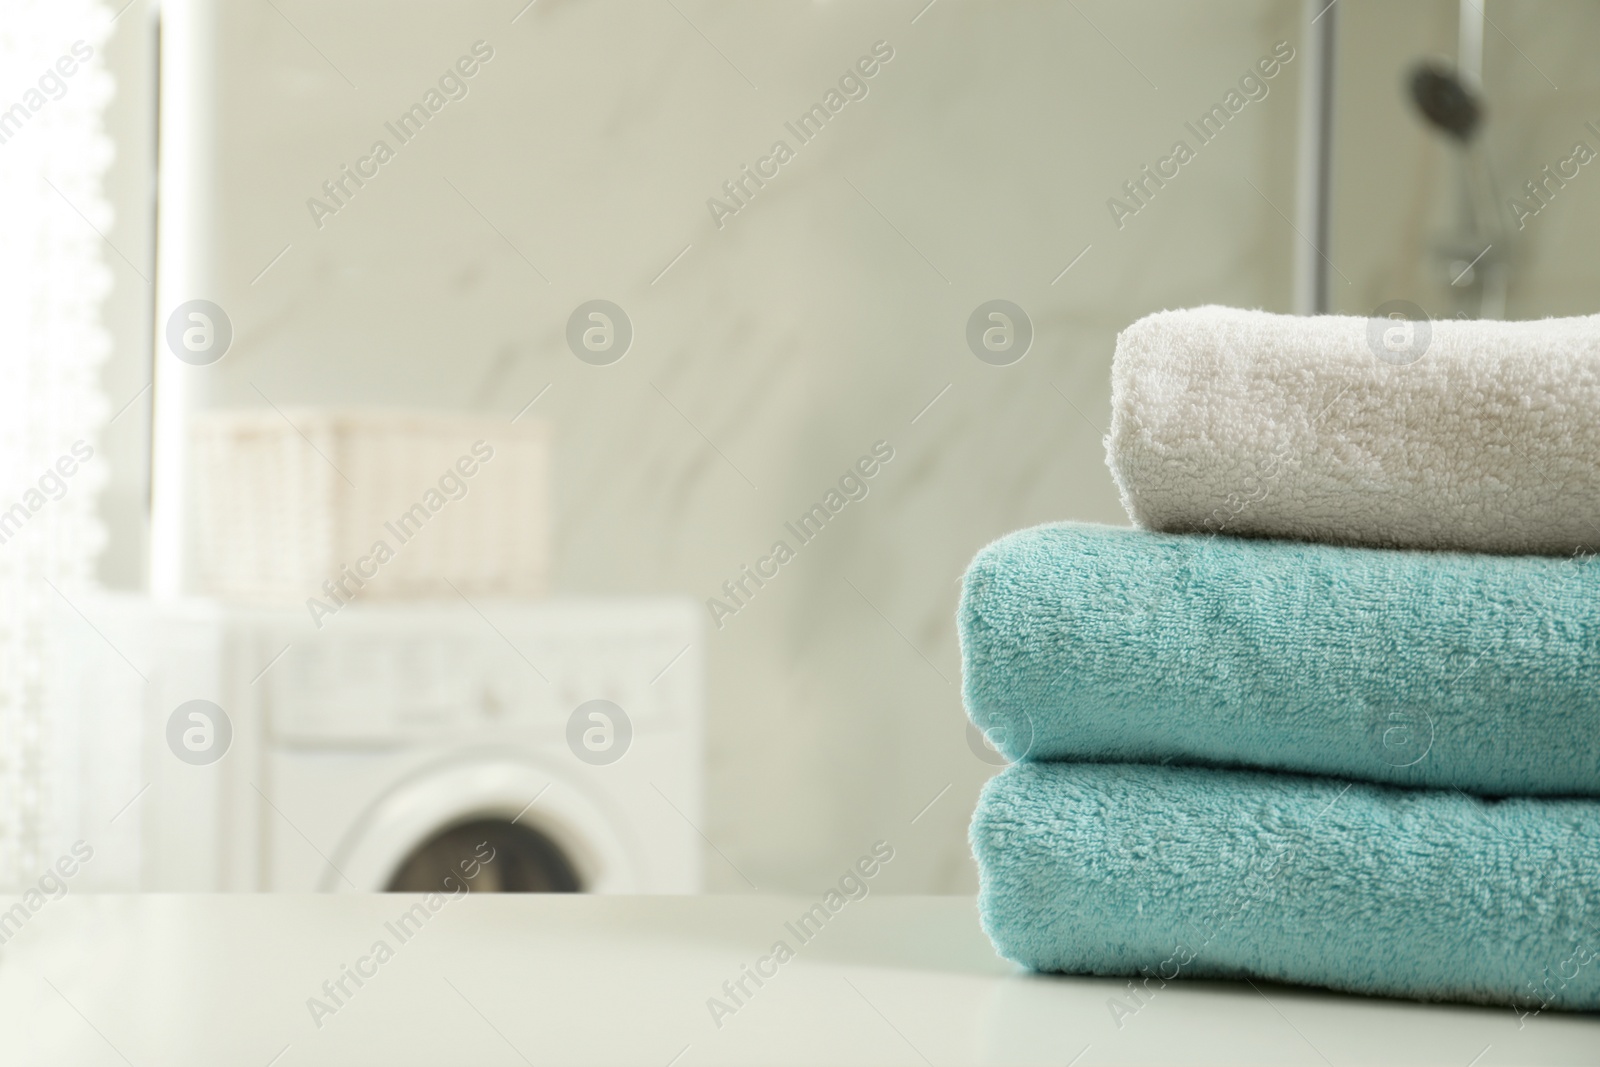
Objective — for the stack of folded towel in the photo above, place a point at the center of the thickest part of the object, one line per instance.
(1331, 714)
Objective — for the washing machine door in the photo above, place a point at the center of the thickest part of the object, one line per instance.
(502, 826)
(499, 856)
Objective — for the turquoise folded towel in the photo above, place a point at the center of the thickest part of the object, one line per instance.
(1157, 873)
(1100, 643)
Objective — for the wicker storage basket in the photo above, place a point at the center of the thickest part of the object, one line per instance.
(283, 508)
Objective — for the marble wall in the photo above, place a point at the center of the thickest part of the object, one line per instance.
(1395, 179)
(774, 346)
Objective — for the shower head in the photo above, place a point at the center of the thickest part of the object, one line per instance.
(1446, 101)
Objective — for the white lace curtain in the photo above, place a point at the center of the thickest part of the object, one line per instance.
(53, 278)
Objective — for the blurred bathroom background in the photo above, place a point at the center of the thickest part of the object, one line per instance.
(771, 349)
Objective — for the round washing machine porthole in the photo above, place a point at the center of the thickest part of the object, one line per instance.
(503, 857)
(546, 833)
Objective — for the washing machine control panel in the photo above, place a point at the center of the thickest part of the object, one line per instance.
(399, 676)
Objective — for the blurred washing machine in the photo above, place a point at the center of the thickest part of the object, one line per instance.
(398, 743)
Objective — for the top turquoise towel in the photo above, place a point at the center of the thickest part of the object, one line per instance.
(1414, 668)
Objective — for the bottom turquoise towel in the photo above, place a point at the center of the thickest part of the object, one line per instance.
(1162, 873)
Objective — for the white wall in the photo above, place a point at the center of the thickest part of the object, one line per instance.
(130, 55)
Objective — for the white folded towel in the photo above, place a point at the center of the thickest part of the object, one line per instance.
(1461, 434)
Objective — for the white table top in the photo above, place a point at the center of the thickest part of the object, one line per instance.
(173, 980)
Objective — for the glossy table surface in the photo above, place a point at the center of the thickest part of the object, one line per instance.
(273, 980)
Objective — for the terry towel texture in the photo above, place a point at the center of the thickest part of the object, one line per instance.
(1161, 872)
(1099, 643)
(1285, 426)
